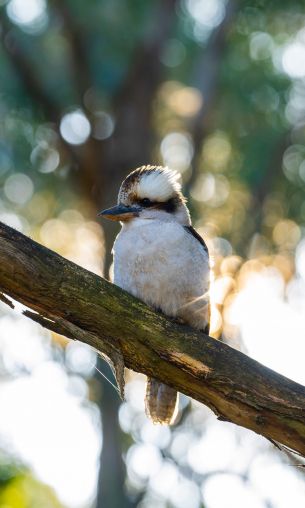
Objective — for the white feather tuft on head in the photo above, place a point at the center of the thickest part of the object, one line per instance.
(159, 184)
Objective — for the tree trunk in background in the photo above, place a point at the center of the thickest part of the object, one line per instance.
(206, 79)
(111, 478)
(129, 147)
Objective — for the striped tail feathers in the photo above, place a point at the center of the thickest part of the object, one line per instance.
(161, 402)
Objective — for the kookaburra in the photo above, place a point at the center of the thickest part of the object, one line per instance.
(162, 260)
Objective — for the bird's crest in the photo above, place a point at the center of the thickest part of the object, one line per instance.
(156, 183)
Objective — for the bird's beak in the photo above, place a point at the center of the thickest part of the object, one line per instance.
(120, 213)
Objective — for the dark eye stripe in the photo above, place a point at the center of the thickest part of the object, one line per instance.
(169, 206)
(146, 202)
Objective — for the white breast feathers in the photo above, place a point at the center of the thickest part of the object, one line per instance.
(165, 266)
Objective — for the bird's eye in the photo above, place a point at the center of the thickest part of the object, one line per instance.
(145, 202)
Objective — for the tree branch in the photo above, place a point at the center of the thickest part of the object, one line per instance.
(86, 307)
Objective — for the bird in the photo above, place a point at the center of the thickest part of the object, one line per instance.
(160, 258)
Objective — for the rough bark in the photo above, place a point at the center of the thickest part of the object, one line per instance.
(83, 306)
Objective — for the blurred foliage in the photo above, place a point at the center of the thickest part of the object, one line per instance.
(215, 89)
(90, 51)
(20, 489)
(27, 492)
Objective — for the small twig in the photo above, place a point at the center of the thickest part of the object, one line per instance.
(6, 300)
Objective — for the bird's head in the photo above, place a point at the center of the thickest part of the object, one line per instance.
(150, 192)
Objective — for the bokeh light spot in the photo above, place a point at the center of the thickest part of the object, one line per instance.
(19, 188)
(144, 460)
(300, 259)
(211, 189)
(293, 60)
(103, 125)
(45, 158)
(237, 493)
(261, 46)
(292, 160)
(55, 234)
(286, 234)
(185, 101)
(217, 151)
(207, 14)
(31, 15)
(80, 358)
(177, 151)
(75, 127)
(12, 220)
